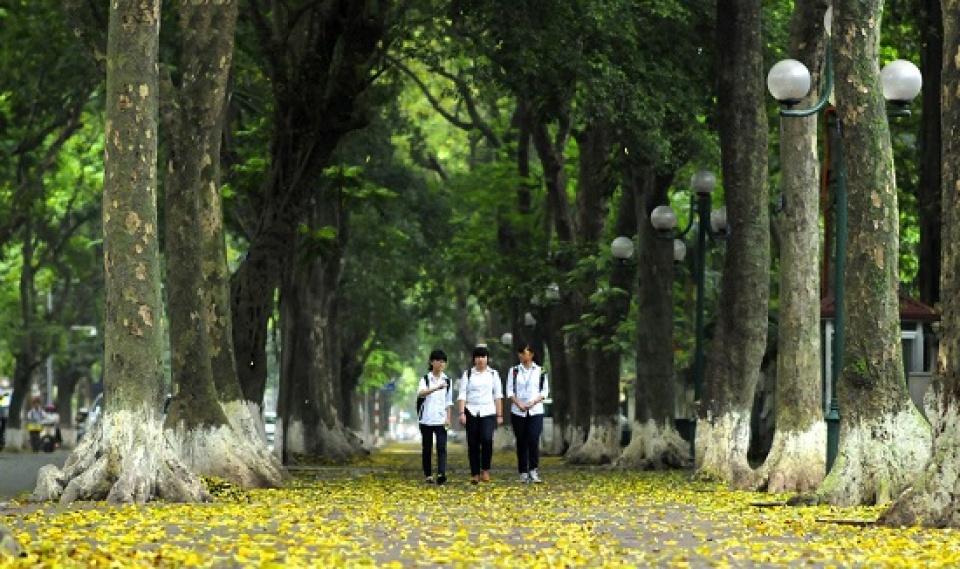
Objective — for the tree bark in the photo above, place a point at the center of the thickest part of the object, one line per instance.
(723, 426)
(884, 440)
(126, 459)
(934, 499)
(796, 461)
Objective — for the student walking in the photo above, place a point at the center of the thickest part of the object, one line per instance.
(434, 415)
(527, 388)
(480, 405)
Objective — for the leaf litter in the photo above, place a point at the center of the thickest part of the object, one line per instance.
(378, 512)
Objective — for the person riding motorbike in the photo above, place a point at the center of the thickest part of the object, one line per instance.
(35, 418)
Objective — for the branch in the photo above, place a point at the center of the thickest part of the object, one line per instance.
(462, 125)
(89, 25)
(464, 90)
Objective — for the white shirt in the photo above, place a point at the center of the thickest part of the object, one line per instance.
(435, 405)
(479, 389)
(525, 384)
(5, 397)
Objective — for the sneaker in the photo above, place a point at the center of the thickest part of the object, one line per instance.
(485, 475)
(524, 477)
(428, 480)
(535, 476)
(474, 480)
(441, 479)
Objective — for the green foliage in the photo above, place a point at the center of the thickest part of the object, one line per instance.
(380, 368)
(51, 145)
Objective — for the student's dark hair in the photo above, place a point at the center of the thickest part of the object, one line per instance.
(436, 355)
(481, 351)
(523, 346)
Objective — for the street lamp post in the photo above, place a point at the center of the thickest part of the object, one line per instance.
(709, 224)
(789, 82)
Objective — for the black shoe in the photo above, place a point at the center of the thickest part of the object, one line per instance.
(428, 480)
(441, 479)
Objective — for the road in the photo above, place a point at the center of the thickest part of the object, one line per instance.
(18, 471)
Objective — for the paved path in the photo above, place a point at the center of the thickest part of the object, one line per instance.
(18, 470)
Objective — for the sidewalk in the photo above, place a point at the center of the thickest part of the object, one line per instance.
(379, 513)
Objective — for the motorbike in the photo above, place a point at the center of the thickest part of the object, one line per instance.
(48, 436)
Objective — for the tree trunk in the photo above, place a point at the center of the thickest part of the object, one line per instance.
(311, 371)
(934, 499)
(602, 389)
(316, 105)
(655, 442)
(27, 357)
(796, 461)
(126, 459)
(559, 380)
(884, 440)
(209, 442)
(564, 363)
(931, 139)
(252, 290)
(723, 426)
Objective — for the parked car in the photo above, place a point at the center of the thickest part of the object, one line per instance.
(89, 416)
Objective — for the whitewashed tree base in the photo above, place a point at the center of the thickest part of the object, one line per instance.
(16, 438)
(235, 452)
(504, 438)
(654, 447)
(796, 461)
(721, 447)
(878, 459)
(576, 437)
(337, 444)
(245, 418)
(553, 441)
(602, 445)
(934, 500)
(125, 459)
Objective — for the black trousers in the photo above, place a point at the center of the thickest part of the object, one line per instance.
(427, 432)
(528, 429)
(3, 432)
(480, 442)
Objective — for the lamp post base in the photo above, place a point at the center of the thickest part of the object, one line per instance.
(833, 434)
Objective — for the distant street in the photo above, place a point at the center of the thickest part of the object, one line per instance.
(18, 471)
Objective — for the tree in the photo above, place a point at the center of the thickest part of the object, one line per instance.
(884, 440)
(319, 86)
(126, 459)
(932, 499)
(723, 426)
(216, 433)
(796, 458)
(654, 442)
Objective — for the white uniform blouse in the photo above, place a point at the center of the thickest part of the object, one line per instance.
(525, 384)
(479, 389)
(435, 405)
